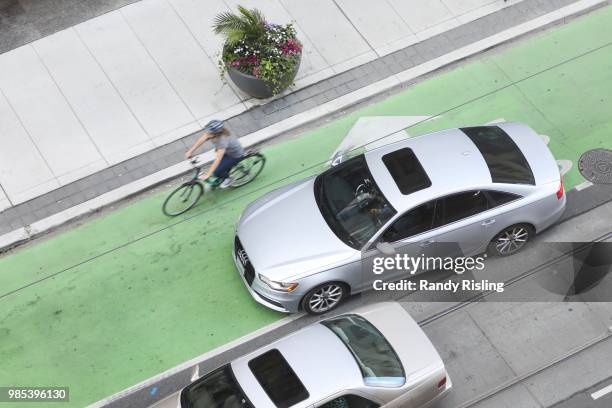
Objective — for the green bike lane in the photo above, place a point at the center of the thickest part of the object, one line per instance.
(133, 293)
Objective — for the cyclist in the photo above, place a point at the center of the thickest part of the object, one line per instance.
(228, 152)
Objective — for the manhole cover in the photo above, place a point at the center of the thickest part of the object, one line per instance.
(596, 166)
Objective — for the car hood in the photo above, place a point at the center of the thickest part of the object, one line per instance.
(285, 235)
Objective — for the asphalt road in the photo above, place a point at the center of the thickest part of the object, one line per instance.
(512, 349)
(597, 396)
(23, 21)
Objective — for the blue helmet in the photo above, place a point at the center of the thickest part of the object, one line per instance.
(214, 126)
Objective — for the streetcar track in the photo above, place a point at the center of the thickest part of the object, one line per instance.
(479, 297)
(520, 378)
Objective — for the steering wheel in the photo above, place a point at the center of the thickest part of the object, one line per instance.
(364, 193)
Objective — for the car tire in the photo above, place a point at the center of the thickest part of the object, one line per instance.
(324, 298)
(511, 240)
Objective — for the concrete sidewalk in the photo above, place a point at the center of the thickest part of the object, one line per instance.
(107, 103)
(123, 83)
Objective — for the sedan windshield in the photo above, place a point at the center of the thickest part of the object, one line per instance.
(218, 389)
(351, 203)
(378, 362)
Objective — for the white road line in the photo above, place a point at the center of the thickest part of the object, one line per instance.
(583, 185)
(602, 392)
(196, 360)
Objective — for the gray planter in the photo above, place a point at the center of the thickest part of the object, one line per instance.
(259, 88)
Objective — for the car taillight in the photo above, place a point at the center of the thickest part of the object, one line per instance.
(442, 382)
(560, 192)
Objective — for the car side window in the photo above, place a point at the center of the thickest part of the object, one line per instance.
(501, 197)
(350, 401)
(459, 206)
(413, 222)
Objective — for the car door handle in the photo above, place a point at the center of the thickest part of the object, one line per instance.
(488, 222)
(424, 244)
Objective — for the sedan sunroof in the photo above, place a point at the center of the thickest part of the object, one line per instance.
(278, 379)
(406, 170)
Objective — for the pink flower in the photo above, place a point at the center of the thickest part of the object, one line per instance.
(291, 47)
(256, 72)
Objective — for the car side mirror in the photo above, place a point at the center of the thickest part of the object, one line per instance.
(386, 248)
(337, 159)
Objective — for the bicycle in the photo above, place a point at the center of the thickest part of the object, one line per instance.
(187, 195)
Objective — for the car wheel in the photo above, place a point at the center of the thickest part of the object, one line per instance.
(324, 298)
(511, 240)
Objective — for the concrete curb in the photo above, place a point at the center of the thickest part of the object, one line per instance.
(20, 235)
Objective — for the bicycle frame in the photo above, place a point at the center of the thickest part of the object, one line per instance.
(197, 172)
(196, 175)
(198, 169)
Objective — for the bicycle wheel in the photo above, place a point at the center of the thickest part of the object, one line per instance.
(247, 169)
(182, 199)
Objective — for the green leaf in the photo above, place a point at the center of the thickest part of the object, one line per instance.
(235, 27)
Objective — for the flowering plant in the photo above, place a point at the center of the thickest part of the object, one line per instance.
(258, 48)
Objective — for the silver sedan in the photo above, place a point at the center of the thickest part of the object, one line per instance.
(457, 192)
(376, 356)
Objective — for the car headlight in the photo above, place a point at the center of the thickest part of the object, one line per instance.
(280, 286)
